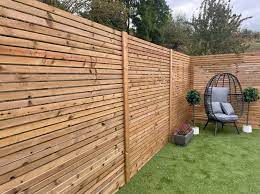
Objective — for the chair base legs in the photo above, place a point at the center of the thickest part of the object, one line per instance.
(206, 124)
(236, 128)
(222, 125)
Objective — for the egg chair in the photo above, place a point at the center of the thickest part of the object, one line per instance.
(223, 100)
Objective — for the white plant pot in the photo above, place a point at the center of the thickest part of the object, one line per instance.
(196, 130)
(247, 128)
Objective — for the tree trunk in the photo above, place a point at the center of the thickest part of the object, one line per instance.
(128, 16)
(193, 116)
(247, 113)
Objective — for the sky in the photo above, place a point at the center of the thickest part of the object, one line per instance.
(245, 7)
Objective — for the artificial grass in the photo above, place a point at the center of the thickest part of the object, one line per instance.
(227, 163)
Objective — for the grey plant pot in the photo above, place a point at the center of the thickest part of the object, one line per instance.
(182, 140)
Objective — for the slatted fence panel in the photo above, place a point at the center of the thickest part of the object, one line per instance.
(181, 83)
(248, 73)
(83, 106)
(61, 102)
(149, 67)
(245, 66)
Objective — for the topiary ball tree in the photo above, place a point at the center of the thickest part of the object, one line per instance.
(193, 98)
(250, 95)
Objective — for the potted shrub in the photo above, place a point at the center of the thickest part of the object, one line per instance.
(183, 135)
(250, 95)
(193, 98)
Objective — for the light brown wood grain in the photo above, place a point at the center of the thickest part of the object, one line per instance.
(83, 107)
(126, 105)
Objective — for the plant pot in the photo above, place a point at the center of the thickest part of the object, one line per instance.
(182, 140)
(247, 128)
(196, 130)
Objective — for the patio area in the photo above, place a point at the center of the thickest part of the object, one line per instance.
(227, 163)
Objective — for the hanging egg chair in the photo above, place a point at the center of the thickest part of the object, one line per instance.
(223, 100)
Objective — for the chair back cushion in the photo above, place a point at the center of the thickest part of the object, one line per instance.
(216, 107)
(220, 94)
(227, 108)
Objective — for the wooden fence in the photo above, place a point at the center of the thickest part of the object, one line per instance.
(245, 66)
(82, 106)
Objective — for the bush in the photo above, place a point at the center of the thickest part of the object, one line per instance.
(251, 94)
(193, 97)
(184, 129)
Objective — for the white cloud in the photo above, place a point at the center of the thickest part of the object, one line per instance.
(187, 8)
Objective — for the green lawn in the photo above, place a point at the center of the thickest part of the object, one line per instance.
(227, 163)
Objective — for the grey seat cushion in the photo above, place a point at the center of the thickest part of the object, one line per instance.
(220, 94)
(227, 108)
(216, 107)
(226, 118)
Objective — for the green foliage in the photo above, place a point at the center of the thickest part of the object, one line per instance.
(217, 29)
(107, 12)
(73, 6)
(251, 94)
(193, 97)
(131, 12)
(151, 19)
(178, 34)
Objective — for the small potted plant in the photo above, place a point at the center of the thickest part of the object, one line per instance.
(183, 135)
(193, 98)
(250, 95)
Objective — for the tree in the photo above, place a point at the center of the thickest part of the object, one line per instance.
(250, 95)
(110, 13)
(193, 98)
(217, 29)
(177, 34)
(73, 6)
(131, 12)
(150, 20)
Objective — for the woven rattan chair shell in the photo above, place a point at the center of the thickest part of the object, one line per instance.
(235, 96)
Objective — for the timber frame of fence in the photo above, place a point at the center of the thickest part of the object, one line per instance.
(83, 107)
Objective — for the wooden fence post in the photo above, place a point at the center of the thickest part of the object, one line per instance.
(171, 90)
(126, 105)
